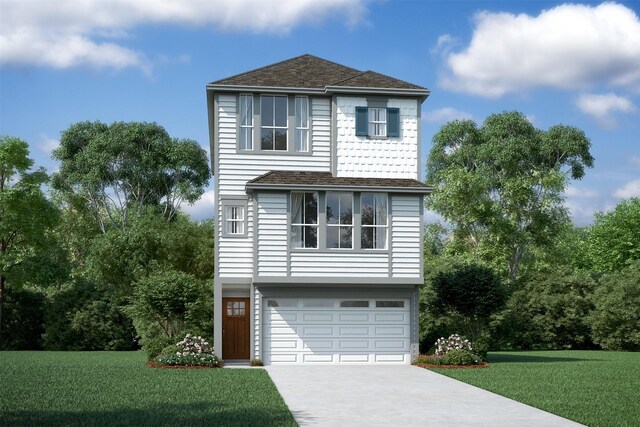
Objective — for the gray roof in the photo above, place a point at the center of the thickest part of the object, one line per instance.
(288, 180)
(311, 72)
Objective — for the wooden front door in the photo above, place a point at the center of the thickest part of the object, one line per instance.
(235, 328)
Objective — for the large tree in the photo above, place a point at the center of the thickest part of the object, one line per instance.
(26, 216)
(500, 185)
(122, 167)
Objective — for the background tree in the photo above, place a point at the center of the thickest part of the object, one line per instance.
(26, 216)
(613, 241)
(123, 167)
(500, 185)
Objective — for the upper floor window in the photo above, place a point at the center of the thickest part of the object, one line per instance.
(377, 122)
(302, 124)
(304, 220)
(273, 122)
(339, 220)
(246, 122)
(373, 215)
(234, 215)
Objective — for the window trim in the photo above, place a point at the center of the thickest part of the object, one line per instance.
(374, 226)
(242, 203)
(273, 127)
(251, 126)
(301, 128)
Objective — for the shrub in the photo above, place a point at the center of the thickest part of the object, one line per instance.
(191, 351)
(615, 321)
(454, 342)
(459, 356)
(256, 362)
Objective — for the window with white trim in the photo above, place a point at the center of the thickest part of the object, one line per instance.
(302, 124)
(339, 220)
(246, 122)
(234, 217)
(304, 220)
(373, 216)
(273, 122)
(377, 122)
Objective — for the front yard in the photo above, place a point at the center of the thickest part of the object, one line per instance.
(596, 388)
(116, 388)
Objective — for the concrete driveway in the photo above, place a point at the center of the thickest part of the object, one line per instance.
(396, 396)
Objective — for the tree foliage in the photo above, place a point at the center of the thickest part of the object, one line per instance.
(500, 185)
(613, 241)
(123, 167)
(615, 322)
(26, 216)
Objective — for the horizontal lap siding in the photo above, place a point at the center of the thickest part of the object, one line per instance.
(272, 234)
(235, 255)
(314, 264)
(406, 249)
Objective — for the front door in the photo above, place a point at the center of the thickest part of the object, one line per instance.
(235, 328)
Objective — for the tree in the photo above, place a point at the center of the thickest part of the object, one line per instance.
(123, 167)
(615, 322)
(613, 241)
(500, 185)
(26, 216)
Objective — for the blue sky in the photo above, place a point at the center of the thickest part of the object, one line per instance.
(113, 60)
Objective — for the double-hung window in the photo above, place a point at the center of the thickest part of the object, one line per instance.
(377, 122)
(373, 215)
(246, 122)
(273, 122)
(302, 124)
(234, 220)
(304, 220)
(339, 220)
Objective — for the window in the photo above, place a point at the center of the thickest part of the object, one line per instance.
(274, 123)
(302, 124)
(236, 308)
(377, 122)
(304, 220)
(234, 220)
(339, 220)
(389, 304)
(373, 214)
(346, 304)
(246, 122)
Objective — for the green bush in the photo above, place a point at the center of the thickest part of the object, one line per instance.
(459, 357)
(550, 311)
(615, 320)
(170, 349)
(23, 320)
(189, 359)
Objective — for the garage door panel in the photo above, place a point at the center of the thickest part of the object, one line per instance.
(325, 332)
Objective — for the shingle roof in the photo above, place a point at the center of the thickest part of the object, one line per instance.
(317, 180)
(308, 71)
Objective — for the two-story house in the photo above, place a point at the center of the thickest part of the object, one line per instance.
(319, 211)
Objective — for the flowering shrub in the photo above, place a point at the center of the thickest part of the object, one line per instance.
(191, 351)
(454, 342)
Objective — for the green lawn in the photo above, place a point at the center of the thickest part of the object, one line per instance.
(596, 388)
(116, 388)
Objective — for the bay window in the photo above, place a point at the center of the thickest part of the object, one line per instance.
(339, 220)
(304, 220)
(373, 214)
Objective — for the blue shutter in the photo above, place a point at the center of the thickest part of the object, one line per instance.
(362, 121)
(393, 122)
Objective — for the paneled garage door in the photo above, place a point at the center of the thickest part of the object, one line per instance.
(331, 331)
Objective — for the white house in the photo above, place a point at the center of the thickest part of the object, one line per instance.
(318, 214)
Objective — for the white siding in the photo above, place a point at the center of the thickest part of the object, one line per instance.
(257, 307)
(272, 234)
(406, 248)
(339, 264)
(235, 169)
(359, 156)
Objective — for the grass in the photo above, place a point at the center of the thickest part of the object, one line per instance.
(596, 388)
(116, 388)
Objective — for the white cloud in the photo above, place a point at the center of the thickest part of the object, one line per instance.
(580, 193)
(582, 203)
(69, 33)
(444, 45)
(203, 208)
(601, 107)
(630, 189)
(569, 46)
(447, 114)
(47, 145)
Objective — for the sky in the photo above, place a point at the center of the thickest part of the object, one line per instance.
(576, 64)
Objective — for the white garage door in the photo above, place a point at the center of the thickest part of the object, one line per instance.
(330, 331)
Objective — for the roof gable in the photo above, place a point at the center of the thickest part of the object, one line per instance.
(310, 72)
